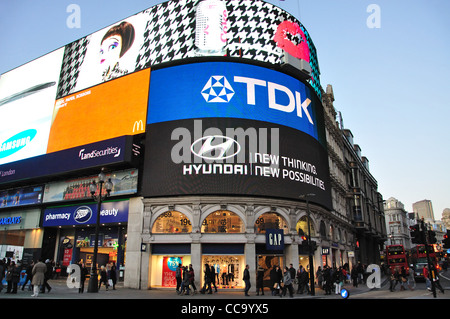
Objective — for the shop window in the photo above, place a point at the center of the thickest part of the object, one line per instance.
(172, 222)
(223, 221)
(303, 225)
(270, 221)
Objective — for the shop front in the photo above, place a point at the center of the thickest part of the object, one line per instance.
(20, 235)
(75, 233)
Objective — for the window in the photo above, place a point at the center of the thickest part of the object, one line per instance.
(172, 222)
(270, 221)
(303, 225)
(223, 221)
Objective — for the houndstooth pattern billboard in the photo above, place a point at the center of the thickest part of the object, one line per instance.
(255, 30)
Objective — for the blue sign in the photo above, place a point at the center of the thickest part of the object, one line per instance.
(111, 212)
(344, 293)
(274, 239)
(231, 90)
(173, 263)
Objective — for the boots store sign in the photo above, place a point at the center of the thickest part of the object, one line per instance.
(111, 212)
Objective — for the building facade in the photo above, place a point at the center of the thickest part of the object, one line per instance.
(224, 152)
(397, 223)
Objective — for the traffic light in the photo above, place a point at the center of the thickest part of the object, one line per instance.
(431, 237)
(416, 234)
(446, 240)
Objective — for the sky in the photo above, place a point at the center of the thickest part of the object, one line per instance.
(387, 60)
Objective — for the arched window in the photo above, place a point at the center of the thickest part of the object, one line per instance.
(172, 222)
(223, 221)
(270, 220)
(303, 225)
(323, 232)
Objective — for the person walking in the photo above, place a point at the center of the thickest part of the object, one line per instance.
(207, 280)
(275, 280)
(178, 273)
(48, 275)
(319, 276)
(12, 278)
(83, 273)
(354, 276)
(327, 280)
(2, 273)
(411, 280)
(103, 278)
(212, 273)
(39, 270)
(192, 278)
(435, 278)
(29, 275)
(113, 275)
(287, 283)
(246, 278)
(338, 280)
(260, 281)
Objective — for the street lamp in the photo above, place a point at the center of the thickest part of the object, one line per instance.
(93, 280)
(311, 262)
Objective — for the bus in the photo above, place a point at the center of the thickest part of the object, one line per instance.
(396, 257)
(419, 259)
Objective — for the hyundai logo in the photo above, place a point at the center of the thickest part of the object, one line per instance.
(222, 148)
(82, 214)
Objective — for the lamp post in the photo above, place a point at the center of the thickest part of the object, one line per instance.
(311, 262)
(93, 279)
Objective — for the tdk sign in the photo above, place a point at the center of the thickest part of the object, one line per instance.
(232, 90)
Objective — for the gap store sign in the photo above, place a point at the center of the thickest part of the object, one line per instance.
(111, 212)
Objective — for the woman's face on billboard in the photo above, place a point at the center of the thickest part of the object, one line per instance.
(110, 51)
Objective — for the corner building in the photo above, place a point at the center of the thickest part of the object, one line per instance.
(220, 137)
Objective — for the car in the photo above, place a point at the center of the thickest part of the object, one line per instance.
(418, 271)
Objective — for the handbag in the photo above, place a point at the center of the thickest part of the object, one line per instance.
(110, 282)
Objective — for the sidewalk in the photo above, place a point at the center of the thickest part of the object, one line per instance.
(60, 290)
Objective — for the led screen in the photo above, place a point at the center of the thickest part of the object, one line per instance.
(27, 98)
(224, 89)
(230, 156)
(176, 30)
(102, 112)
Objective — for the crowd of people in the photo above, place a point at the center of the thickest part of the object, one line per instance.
(38, 275)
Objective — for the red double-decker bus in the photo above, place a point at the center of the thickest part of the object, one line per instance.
(396, 257)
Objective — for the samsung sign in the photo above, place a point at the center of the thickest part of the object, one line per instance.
(111, 212)
(233, 90)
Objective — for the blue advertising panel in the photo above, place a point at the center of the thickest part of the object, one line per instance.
(232, 90)
(111, 212)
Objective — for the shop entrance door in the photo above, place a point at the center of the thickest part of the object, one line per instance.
(268, 262)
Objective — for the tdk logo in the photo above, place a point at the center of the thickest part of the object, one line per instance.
(280, 97)
(217, 90)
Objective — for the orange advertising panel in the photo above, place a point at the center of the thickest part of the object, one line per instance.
(106, 111)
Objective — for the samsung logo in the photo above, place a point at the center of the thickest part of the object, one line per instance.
(17, 142)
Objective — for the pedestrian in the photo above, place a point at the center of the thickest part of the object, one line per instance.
(212, 273)
(29, 275)
(292, 272)
(403, 278)
(397, 277)
(207, 280)
(354, 276)
(113, 275)
(83, 273)
(260, 281)
(48, 275)
(103, 278)
(275, 280)
(2, 273)
(426, 276)
(319, 275)
(246, 278)
(303, 278)
(287, 283)
(185, 281)
(338, 280)
(411, 280)
(391, 280)
(327, 280)
(12, 278)
(38, 272)
(192, 278)
(178, 273)
(435, 278)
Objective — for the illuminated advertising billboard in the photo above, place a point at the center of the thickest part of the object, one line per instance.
(27, 98)
(224, 128)
(225, 89)
(230, 156)
(175, 30)
(101, 112)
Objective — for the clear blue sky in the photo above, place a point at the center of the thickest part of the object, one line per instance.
(390, 83)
